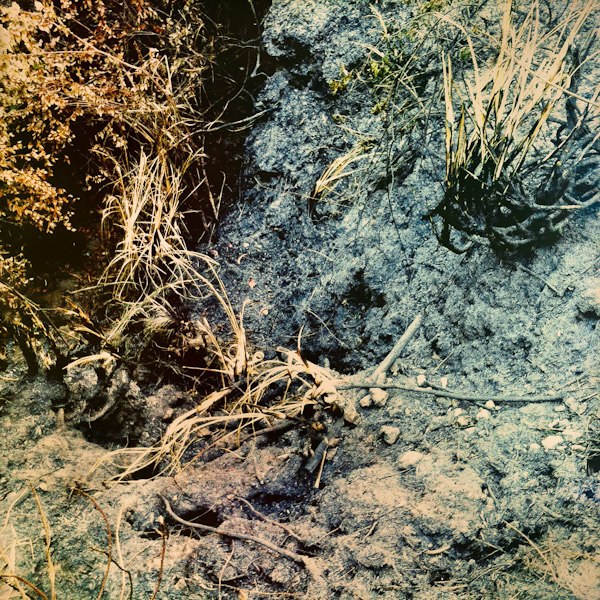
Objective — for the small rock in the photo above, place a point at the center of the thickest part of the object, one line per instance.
(82, 382)
(390, 434)
(572, 434)
(552, 441)
(560, 408)
(463, 421)
(421, 379)
(578, 448)
(379, 397)
(490, 404)
(443, 382)
(366, 401)
(577, 407)
(458, 412)
(483, 414)
(534, 447)
(351, 414)
(443, 402)
(589, 302)
(410, 458)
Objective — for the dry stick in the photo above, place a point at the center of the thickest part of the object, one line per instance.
(388, 361)
(548, 564)
(121, 568)
(163, 537)
(321, 465)
(449, 394)
(287, 529)
(381, 370)
(307, 562)
(48, 534)
(542, 280)
(318, 457)
(282, 427)
(120, 556)
(108, 534)
(23, 580)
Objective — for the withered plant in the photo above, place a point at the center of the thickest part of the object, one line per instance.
(518, 127)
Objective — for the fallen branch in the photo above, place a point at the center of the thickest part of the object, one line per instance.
(449, 394)
(287, 529)
(306, 561)
(379, 373)
(388, 361)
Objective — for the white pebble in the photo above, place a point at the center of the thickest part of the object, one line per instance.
(366, 401)
(351, 414)
(534, 447)
(577, 407)
(379, 397)
(552, 441)
(483, 414)
(410, 458)
(463, 421)
(421, 379)
(560, 408)
(572, 434)
(443, 382)
(390, 434)
(490, 404)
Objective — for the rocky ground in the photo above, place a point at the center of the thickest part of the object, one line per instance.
(487, 489)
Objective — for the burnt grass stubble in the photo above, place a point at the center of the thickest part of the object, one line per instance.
(473, 499)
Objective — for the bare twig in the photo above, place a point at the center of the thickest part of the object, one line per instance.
(388, 361)
(23, 580)
(48, 535)
(542, 280)
(449, 394)
(108, 534)
(163, 537)
(305, 561)
(318, 458)
(287, 529)
(549, 565)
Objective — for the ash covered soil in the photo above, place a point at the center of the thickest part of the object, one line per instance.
(462, 495)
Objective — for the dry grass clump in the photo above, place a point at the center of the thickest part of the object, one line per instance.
(151, 264)
(566, 564)
(103, 112)
(13, 585)
(519, 116)
(354, 162)
(401, 75)
(498, 187)
(13, 557)
(226, 415)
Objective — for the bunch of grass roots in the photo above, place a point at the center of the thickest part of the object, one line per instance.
(520, 128)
